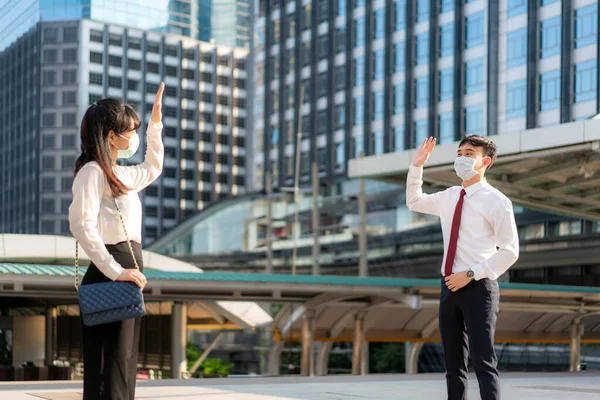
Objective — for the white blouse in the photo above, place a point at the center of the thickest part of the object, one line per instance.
(93, 216)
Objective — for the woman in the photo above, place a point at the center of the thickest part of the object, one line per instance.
(108, 132)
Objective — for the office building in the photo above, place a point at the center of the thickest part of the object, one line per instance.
(49, 77)
(193, 19)
(380, 76)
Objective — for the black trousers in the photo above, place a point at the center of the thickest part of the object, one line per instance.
(110, 351)
(467, 321)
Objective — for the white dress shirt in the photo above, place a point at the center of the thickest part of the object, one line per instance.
(93, 215)
(488, 241)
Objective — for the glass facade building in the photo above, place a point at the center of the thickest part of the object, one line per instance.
(373, 77)
(59, 68)
(227, 22)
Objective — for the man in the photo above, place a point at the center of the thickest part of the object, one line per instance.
(481, 242)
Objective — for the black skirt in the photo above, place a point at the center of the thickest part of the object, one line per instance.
(122, 255)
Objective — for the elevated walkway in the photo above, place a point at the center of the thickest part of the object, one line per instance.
(555, 168)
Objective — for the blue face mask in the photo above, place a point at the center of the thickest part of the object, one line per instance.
(465, 167)
(134, 144)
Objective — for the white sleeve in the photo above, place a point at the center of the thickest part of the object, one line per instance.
(507, 240)
(145, 173)
(418, 201)
(88, 187)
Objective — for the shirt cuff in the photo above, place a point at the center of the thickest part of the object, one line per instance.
(154, 128)
(415, 172)
(113, 271)
(479, 271)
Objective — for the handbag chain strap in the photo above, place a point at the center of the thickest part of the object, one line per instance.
(128, 244)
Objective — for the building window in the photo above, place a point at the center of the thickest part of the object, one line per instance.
(48, 142)
(68, 141)
(94, 98)
(545, 2)
(69, 76)
(323, 46)
(152, 68)
(447, 40)
(69, 98)
(359, 146)
(359, 71)
(134, 65)
(171, 71)
(422, 49)
(421, 131)
(446, 128)
(69, 55)
(49, 99)
(359, 111)
(222, 119)
(474, 76)
(399, 138)
(399, 56)
(340, 115)
(516, 7)
(586, 26)
(48, 120)
(379, 23)
(422, 10)
(378, 109)
(189, 74)
(133, 84)
(340, 156)
(49, 78)
(48, 227)
(378, 142)
(153, 47)
(67, 163)
(50, 56)
(379, 70)
(550, 90)
(188, 114)
(115, 40)
(171, 51)
(516, 48)
(340, 39)
(95, 57)
(115, 61)
(96, 36)
(474, 30)
(516, 99)
(399, 15)
(422, 92)
(446, 5)
(550, 37)
(48, 206)
(48, 163)
(474, 120)
(68, 120)
(115, 82)
(134, 43)
(341, 8)
(95, 79)
(399, 99)
(359, 33)
(586, 81)
(446, 84)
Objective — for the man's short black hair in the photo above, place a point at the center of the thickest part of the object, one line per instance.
(489, 148)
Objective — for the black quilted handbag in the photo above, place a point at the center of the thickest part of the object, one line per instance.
(106, 302)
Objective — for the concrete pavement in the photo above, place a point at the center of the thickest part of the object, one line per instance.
(515, 386)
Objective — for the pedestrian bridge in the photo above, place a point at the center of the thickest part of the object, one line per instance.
(317, 311)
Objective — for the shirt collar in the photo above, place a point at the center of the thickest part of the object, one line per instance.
(471, 190)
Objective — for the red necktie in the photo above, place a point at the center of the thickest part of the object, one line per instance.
(454, 234)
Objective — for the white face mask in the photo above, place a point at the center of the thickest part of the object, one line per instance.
(134, 144)
(465, 167)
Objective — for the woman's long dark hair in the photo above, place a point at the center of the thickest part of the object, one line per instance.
(100, 118)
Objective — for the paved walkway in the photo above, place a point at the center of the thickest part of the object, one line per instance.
(515, 386)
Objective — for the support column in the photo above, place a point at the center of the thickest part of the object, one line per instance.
(50, 348)
(178, 340)
(575, 350)
(411, 356)
(274, 359)
(358, 365)
(362, 233)
(269, 227)
(323, 358)
(316, 247)
(307, 364)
